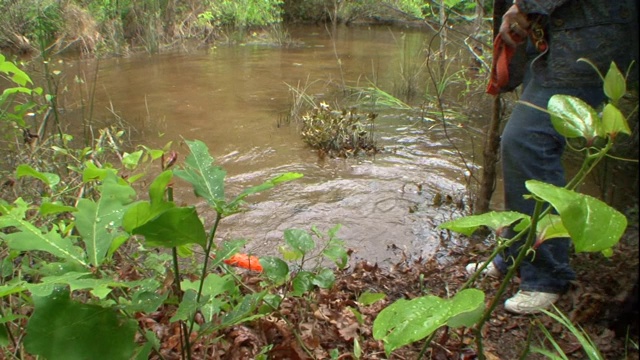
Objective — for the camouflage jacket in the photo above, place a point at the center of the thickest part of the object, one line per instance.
(598, 30)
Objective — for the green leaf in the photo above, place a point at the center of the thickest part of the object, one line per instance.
(68, 330)
(12, 288)
(51, 208)
(19, 77)
(551, 227)
(214, 286)
(49, 179)
(573, 118)
(615, 85)
(244, 310)
(130, 161)
(302, 283)
(494, 220)
(207, 180)
(335, 251)
(91, 172)
(325, 278)
(174, 227)
(146, 301)
(592, 224)
(613, 122)
(407, 321)
(29, 238)
(369, 298)
(274, 269)
(299, 240)
(188, 306)
(99, 222)
(76, 281)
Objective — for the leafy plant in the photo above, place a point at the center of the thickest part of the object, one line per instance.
(300, 249)
(74, 281)
(592, 225)
(11, 109)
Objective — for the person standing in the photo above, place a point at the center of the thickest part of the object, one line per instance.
(601, 31)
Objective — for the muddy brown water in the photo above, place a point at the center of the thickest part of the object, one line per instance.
(233, 99)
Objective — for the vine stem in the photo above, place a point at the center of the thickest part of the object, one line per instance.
(207, 253)
(184, 339)
(510, 274)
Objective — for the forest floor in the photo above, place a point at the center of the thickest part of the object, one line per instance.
(323, 325)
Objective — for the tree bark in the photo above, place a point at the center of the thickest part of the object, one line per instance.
(492, 138)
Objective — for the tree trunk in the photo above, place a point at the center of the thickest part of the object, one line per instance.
(492, 140)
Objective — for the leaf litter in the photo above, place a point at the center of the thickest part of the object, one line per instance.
(326, 323)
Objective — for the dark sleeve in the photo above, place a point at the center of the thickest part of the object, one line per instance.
(543, 7)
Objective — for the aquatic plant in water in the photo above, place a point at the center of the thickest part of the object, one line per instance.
(339, 133)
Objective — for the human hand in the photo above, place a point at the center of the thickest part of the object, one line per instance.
(515, 24)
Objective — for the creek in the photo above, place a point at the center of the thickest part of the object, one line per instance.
(234, 98)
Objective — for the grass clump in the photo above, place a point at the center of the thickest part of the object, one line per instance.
(339, 133)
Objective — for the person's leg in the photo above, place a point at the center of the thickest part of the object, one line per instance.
(532, 149)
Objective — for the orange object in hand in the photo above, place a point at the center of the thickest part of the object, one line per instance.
(244, 261)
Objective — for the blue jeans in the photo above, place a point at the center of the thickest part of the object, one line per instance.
(532, 149)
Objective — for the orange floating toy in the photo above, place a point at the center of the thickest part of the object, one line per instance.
(244, 261)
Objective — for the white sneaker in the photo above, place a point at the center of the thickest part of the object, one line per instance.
(530, 302)
(491, 270)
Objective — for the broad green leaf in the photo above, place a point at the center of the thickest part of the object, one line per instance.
(243, 311)
(336, 252)
(12, 288)
(207, 180)
(99, 222)
(51, 208)
(19, 77)
(289, 254)
(299, 240)
(592, 224)
(116, 243)
(76, 281)
(615, 85)
(143, 211)
(494, 220)
(613, 122)
(214, 286)
(302, 283)
(188, 306)
(573, 118)
(92, 172)
(174, 227)
(369, 298)
(551, 227)
(325, 278)
(62, 329)
(29, 238)
(466, 308)
(146, 301)
(274, 269)
(49, 179)
(130, 161)
(158, 188)
(407, 321)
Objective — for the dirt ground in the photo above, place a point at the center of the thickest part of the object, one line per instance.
(324, 326)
